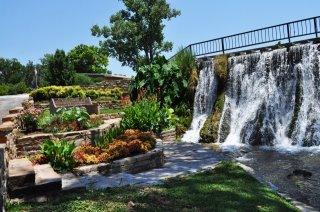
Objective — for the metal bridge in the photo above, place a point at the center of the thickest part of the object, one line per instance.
(285, 33)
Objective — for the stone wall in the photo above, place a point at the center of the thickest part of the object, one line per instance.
(3, 175)
(139, 163)
(30, 144)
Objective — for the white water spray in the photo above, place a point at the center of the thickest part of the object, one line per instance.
(205, 97)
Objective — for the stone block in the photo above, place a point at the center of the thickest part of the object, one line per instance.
(46, 175)
(3, 139)
(6, 127)
(16, 110)
(21, 173)
(10, 117)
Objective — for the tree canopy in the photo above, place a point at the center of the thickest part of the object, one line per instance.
(58, 70)
(135, 35)
(88, 59)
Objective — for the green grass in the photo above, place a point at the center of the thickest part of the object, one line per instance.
(226, 188)
(110, 110)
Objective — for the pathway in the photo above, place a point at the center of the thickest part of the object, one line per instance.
(181, 159)
(9, 102)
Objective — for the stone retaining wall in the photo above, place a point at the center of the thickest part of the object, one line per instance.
(139, 163)
(113, 104)
(3, 175)
(30, 144)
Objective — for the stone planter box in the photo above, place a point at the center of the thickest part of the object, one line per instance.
(30, 144)
(135, 164)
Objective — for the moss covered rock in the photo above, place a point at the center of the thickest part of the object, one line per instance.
(210, 130)
(221, 67)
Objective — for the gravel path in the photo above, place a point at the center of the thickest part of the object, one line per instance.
(9, 102)
(181, 159)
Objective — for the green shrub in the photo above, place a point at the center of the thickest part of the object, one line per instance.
(12, 89)
(4, 90)
(82, 79)
(46, 93)
(59, 154)
(147, 115)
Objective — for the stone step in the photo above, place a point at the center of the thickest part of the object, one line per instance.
(16, 110)
(21, 173)
(10, 117)
(47, 182)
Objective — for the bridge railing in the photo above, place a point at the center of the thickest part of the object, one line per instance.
(284, 33)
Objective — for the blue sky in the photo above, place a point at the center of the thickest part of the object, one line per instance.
(31, 28)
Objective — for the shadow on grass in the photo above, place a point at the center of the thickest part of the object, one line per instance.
(226, 188)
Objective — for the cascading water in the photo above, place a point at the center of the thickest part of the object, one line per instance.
(273, 98)
(203, 102)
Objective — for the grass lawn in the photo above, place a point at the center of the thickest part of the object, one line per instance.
(226, 188)
(106, 110)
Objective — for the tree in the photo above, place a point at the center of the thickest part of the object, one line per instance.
(11, 71)
(135, 36)
(163, 79)
(29, 74)
(58, 70)
(88, 59)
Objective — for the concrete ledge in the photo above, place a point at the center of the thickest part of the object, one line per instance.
(135, 164)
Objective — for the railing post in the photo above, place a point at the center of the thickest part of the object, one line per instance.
(190, 49)
(315, 26)
(222, 43)
(288, 32)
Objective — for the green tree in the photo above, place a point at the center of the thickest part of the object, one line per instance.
(163, 79)
(88, 59)
(58, 70)
(30, 74)
(11, 71)
(135, 35)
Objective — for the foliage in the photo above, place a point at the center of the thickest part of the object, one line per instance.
(58, 70)
(105, 139)
(82, 79)
(72, 119)
(38, 159)
(28, 120)
(135, 35)
(221, 67)
(116, 146)
(186, 62)
(226, 188)
(46, 93)
(11, 71)
(146, 115)
(163, 79)
(59, 154)
(88, 59)
(12, 89)
(210, 129)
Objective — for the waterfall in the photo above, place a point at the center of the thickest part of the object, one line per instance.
(273, 98)
(203, 102)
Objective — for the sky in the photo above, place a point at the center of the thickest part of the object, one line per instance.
(31, 28)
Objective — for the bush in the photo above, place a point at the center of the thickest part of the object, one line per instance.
(129, 143)
(59, 154)
(13, 89)
(46, 93)
(82, 79)
(147, 115)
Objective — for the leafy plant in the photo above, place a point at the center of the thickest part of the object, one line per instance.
(28, 120)
(146, 115)
(59, 154)
(105, 139)
(80, 115)
(163, 79)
